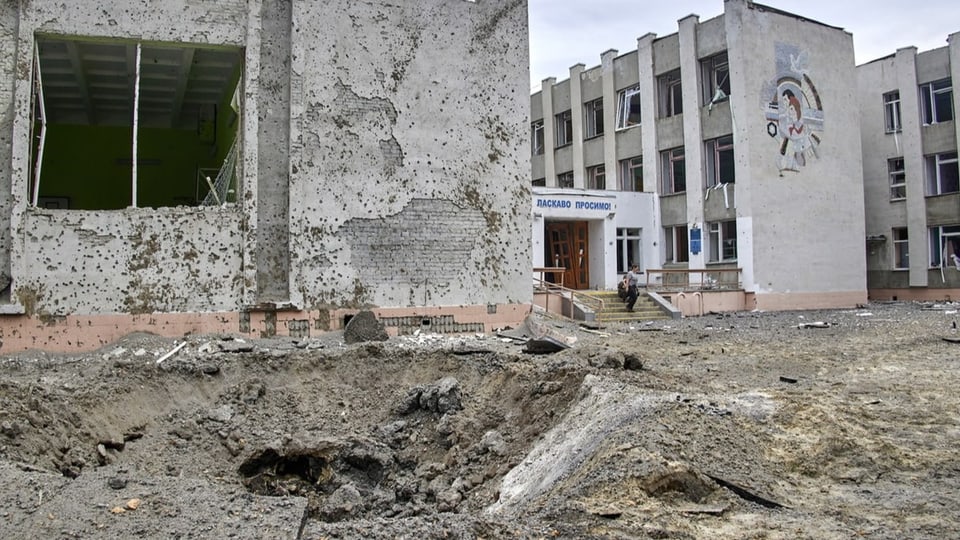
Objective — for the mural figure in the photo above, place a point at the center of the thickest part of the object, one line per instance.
(793, 110)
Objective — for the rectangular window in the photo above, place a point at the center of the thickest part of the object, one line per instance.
(540, 182)
(596, 177)
(719, 161)
(898, 179)
(944, 244)
(716, 79)
(942, 173)
(565, 180)
(628, 107)
(675, 244)
(564, 122)
(673, 171)
(891, 111)
(631, 174)
(593, 114)
(722, 241)
(536, 137)
(155, 124)
(671, 96)
(936, 101)
(901, 249)
(628, 249)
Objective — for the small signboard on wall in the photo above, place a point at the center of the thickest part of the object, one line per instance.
(695, 240)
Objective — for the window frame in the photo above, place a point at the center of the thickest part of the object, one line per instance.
(629, 241)
(676, 243)
(597, 177)
(896, 172)
(901, 248)
(593, 118)
(936, 102)
(671, 94)
(716, 151)
(565, 180)
(627, 167)
(933, 169)
(537, 141)
(673, 160)
(891, 112)
(711, 69)
(722, 241)
(539, 182)
(938, 236)
(625, 108)
(564, 128)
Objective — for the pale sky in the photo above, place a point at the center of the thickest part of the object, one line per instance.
(568, 32)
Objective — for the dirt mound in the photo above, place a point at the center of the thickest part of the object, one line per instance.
(751, 425)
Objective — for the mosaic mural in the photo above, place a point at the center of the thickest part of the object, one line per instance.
(793, 109)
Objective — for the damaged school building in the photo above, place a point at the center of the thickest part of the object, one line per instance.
(746, 162)
(261, 168)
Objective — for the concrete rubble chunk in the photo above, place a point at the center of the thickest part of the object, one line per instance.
(363, 327)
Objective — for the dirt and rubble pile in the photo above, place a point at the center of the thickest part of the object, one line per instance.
(824, 424)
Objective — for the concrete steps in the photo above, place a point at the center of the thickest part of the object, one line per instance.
(615, 310)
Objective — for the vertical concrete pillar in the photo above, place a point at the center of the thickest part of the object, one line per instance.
(273, 171)
(652, 241)
(911, 148)
(692, 131)
(609, 118)
(576, 115)
(549, 133)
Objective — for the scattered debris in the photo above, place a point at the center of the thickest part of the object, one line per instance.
(790, 380)
(951, 339)
(171, 353)
(818, 324)
(364, 326)
(747, 494)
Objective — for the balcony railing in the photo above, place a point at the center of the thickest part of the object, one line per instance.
(704, 279)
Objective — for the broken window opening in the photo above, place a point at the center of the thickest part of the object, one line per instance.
(676, 244)
(898, 179)
(564, 123)
(901, 249)
(716, 79)
(565, 180)
(891, 112)
(674, 172)
(536, 137)
(944, 245)
(631, 174)
(942, 173)
(720, 163)
(628, 107)
(936, 101)
(596, 177)
(593, 114)
(671, 95)
(122, 123)
(722, 241)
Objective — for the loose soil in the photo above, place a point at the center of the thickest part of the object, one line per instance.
(814, 424)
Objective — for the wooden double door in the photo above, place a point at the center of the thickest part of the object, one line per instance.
(567, 246)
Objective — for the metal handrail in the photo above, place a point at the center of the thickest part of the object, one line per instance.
(575, 296)
(707, 282)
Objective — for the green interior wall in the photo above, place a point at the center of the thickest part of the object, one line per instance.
(91, 166)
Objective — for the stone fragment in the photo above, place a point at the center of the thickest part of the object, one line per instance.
(364, 326)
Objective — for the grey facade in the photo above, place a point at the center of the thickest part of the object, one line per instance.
(731, 144)
(381, 150)
(909, 136)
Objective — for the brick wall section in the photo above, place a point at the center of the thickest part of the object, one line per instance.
(437, 234)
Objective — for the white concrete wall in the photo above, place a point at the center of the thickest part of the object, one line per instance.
(410, 182)
(408, 160)
(805, 226)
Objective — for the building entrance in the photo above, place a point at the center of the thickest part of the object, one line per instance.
(567, 247)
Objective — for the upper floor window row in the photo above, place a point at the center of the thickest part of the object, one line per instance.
(936, 101)
(593, 117)
(564, 126)
(671, 94)
(536, 137)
